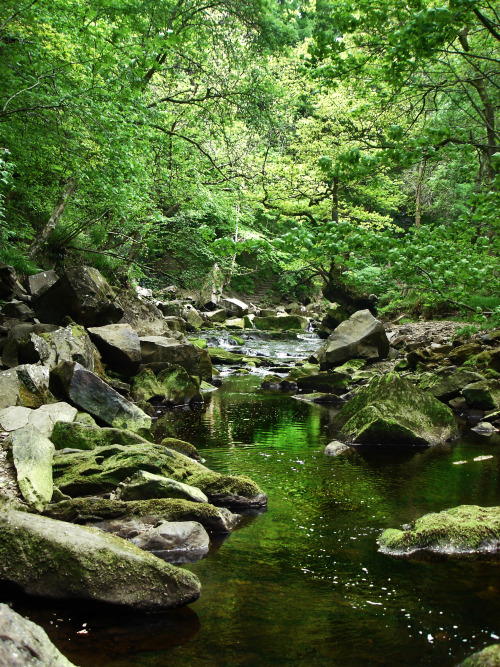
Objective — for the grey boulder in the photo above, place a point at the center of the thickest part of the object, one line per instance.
(33, 454)
(119, 346)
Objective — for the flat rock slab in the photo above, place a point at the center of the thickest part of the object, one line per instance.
(25, 644)
(33, 454)
(55, 559)
(90, 393)
(163, 349)
(461, 530)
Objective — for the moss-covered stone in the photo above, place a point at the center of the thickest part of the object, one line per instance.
(199, 343)
(446, 384)
(182, 447)
(484, 395)
(144, 486)
(224, 357)
(325, 381)
(488, 657)
(60, 560)
(79, 436)
(102, 469)
(460, 530)
(171, 385)
(85, 510)
(285, 323)
(390, 410)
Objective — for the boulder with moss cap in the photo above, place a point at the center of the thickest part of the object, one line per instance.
(391, 410)
(460, 530)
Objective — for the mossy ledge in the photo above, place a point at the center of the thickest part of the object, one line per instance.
(465, 529)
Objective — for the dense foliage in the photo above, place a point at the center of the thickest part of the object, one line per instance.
(288, 144)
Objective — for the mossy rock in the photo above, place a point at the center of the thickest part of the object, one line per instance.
(199, 343)
(79, 436)
(85, 510)
(285, 323)
(488, 657)
(325, 381)
(446, 384)
(171, 385)
(182, 447)
(484, 395)
(391, 410)
(102, 469)
(302, 371)
(351, 366)
(461, 530)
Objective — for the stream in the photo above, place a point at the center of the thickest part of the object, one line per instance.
(303, 582)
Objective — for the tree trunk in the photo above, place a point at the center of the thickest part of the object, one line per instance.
(69, 188)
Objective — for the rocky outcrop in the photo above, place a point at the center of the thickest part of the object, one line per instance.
(102, 469)
(359, 337)
(25, 644)
(87, 391)
(390, 410)
(171, 385)
(460, 530)
(119, 346)
(61, 560)
(83, 294)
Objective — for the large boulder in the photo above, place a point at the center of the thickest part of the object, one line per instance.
(10, 286)
(90, 393)
(459, 530)
(156, 349)
(26, 385)
(484, 395)
(218, 315)
(25, 644)
(43, 418)
(40, 282)
(76, 435)
(359, 337)
(102, 469)
(447, 383)
(234, 306)
(32, 453)
(325, 381)
(179, 541)
(144, 485)
(83, 294)
(150, 512)
(391, 410)
(171, 385)
(119, 346)
(54, 559)
(488, 657)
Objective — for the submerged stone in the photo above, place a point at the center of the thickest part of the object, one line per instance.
(391, 410)
(460, 530)
(60, 560)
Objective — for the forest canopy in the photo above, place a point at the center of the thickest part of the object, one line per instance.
(328, 145)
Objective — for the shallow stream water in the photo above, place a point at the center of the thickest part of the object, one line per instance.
(304, 583)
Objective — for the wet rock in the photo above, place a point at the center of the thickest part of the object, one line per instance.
(484, 395)
(283, 323)
(359, 337)
(144, 485)
(484, 428)
(182, 447)
(271, 382)
(119, 346)
(179, 541)
(43, 418)
(225, 358)
(488, 657)
(330, 382)
(390, 410)
(102, 469)
(218, 315)
(176, 323)
(319, 397)
(150, 512)
(156, 349)
(90, 393)
(26, 385)
(236, 323)
(60, 560)
(194, 320)
(458, 404)
(336, 448)
(83, 294)
(206, 370)
(171, 385)
(25, 644)
(40, 282)
(460, 530)
(32, 453)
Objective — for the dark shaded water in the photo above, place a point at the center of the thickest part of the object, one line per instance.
(303, 583)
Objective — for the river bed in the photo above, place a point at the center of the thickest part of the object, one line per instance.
(303, 583)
